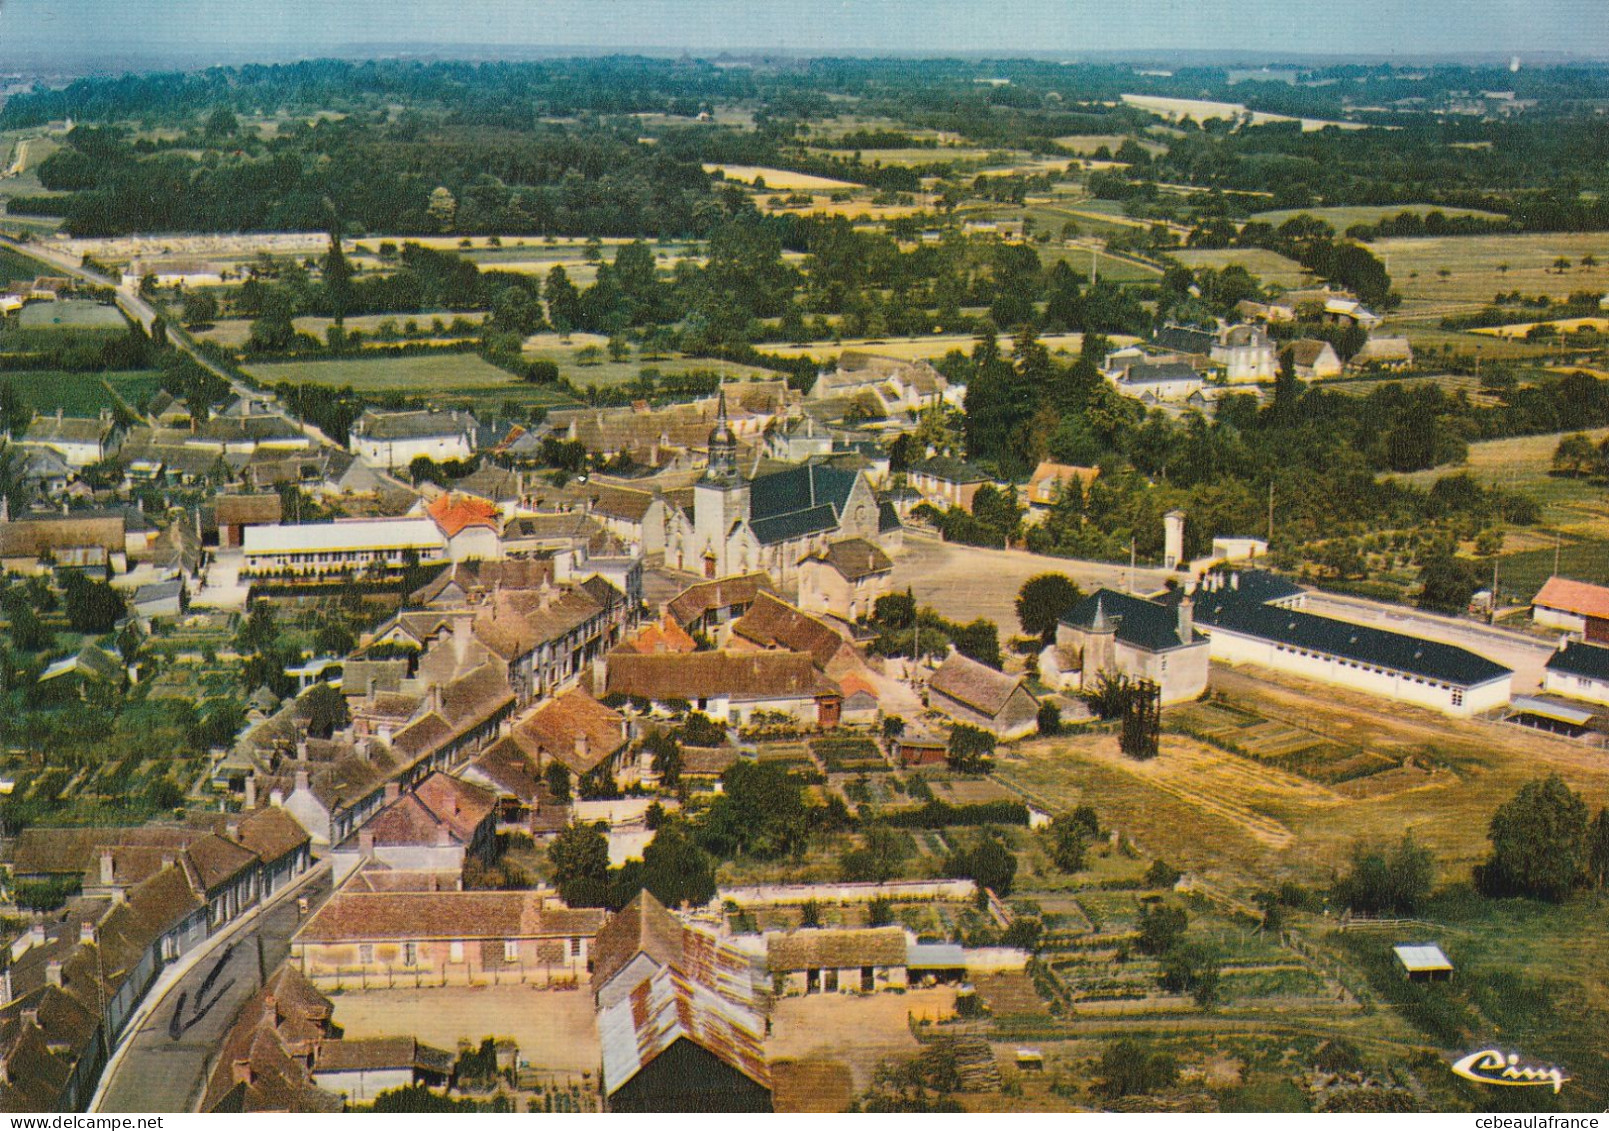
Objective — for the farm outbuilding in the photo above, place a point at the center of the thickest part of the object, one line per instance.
(1423, 962)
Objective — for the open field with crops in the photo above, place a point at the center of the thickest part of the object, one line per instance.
(411, 376)
(82, 394)
(1524, 464)
(234, 332)
(1342, 217)
(777, 178)
(1271, 268)
(1562, 326)
(1479, 267)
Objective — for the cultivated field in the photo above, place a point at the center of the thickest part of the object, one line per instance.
(920, 155)
(1268, 267)
(82, 394)
(1562, 325)
(923, 348)
(777, 178)
(456, 378)
(1474, 264)
(235, 331)
(1343, 216)
(1524, 464)
(1084, 144)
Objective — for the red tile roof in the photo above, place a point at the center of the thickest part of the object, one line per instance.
(454, 512)
(352, 916)
(1573, 597)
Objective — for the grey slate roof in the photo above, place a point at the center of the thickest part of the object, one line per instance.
(1429, 659)
(1148, 625)
(1186, 340)
(1588, 660)
(803, 500)
(1160, 373)
(950, 470)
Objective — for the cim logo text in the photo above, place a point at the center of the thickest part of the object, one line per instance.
(1493, 1066)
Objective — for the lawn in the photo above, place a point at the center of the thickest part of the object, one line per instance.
(1109, 268)
(70, 314)
(414, 376)
(82, 394)
(1269, 268)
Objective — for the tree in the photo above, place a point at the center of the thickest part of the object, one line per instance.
(1043, 601)
(542, 372)
(1447, 581)
(980, 641)
(988, 863)
(1161, 927)
(1067, 843)
(1598, 849)
(1539, 842)
(92, 607)
(580, 857)
(1129, 1069)
(200, 309)
(1398, 880)
(1576, 455)
(1193, 968)
(324, 708)
(881, 857)
(676, 870)
(970, 750)
(761, 812)
(557, 776)
(1049, 719)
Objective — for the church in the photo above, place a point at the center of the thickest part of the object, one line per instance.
(770, 522)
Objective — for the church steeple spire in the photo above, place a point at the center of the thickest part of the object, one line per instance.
(723, 447)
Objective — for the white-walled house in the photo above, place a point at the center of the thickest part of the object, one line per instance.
(346, 546)
(396, 439)
(1578, 671)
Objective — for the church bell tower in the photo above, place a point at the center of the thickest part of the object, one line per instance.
(720, 500)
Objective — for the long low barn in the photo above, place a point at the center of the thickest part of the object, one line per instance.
(1428, 673)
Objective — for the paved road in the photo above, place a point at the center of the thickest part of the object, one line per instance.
(163, 1073)
(965, 582)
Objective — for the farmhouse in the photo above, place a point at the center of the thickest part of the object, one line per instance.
(730, 686)
(1384, 353)
(1578, 671)
(1409, 669)
(898, 386)
(813, 961)
(1244, 352)
(396, 439)
(947, 482)
(710, 605)
(237, 512)
(1160, 381)
(470, 526)
(435, 827)
(360, 1070)
(1050, 480)
(465, 937)
(80, 441)
(773, 624)
(1312, 359)
(980, 696)
(1114, 634)
(1573, 606)
(845, 579)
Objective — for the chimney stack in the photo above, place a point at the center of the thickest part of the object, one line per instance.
(582, 747)
(393, 790)
(366, 841)
(251, 792)
(86, 932)
(241, 1072)
(1187, 609)
(108, 870)
(301, 781)
(444, 836)
(276, 798)
(53, 974)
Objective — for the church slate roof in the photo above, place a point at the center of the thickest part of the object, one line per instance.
(802, 500)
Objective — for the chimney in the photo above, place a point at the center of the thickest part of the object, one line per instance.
(393, 790)
(366, 841)
(86, 933)
(251, 792)
(462, 628)
(276, 798)
(1187, 609)
(31, 1017)
(6, 992)
(53, 974)
(301, 749)
(582, 746)
(108, 871)
(301, 782)
(385, 733)
(1234, 580)
(167, 859)
(36, 936)
(444, 836)
(240, 1072)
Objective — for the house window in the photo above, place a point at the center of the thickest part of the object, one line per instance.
(410, 954)
(511, 950)
(1458, 697)
(366, 953)
(575, 948)
(455, 951)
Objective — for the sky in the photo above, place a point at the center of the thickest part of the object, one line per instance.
(230, 30)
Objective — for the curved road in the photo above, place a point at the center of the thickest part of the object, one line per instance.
(161, 1064)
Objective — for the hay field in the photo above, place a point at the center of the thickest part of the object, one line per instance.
(234, 332)
(1343, 216)
(1085, 144)
(910, 349)
(1271, 268)
(1562, 325)
(412, 376)
(918, 155)
(784, 179)
(1474, 261)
